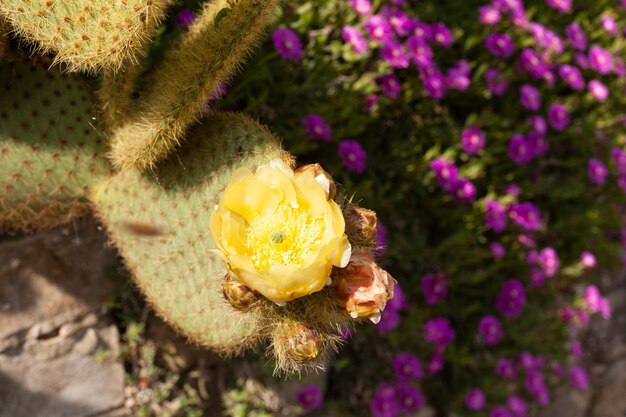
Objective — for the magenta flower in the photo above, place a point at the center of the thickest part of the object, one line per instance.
(361, 7)
(588, 259)
(549, 261)
(316, 128)
(526, 215)
(384, 403)
(435, 363)
(435, 287)
(353, 155)
(407, 367)
(458, 77)
(353, 37)
(399, 300)
(609, 24)
(563, 6)
(530, 97)
(473, 140)
(536, 386)
(536, 277)
(533, 64)
(600, 60)
(434, 84)
(389, 320)
(511, 298)
(578, 378)
(495, 216)
(465, 191)
(400, 22)
(512, 190)
(500, 411)
(572, 76)
(378, 28)
(538, 124)
(371, 101)
(500, 45)
(446, 172)
(558, 116)
(475, 399)
(422, 30)
(489, 15)
(381, 239)
(592, 298)
(421, 52)
(390, 85)
(598, 90)
(505, 368)
(490, 330)
(576, 349)
(442, 35)
(394, 54)
(410, 399)
(517, 405)
(581, 60)
(287, 44)
(185, 18)
(520, 150)
(597, 172)
(576, 36)
(309, 397)
(497, 250)
(538, 143)
(439, 331)
(619, 157)
(605, 308)
(496, 82)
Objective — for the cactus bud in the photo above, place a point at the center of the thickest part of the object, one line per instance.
(237, 294)
(363, 288)
(360, 225)
(321, 176)
(298, 342)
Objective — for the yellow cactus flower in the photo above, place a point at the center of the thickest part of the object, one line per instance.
(279, 232)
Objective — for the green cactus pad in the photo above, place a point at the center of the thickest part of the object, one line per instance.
(51, 149)
(208, 54)
(159, 220)
(86, 35)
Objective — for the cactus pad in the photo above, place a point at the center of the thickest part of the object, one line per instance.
(86, 35)
(51, 149)
(159, 220)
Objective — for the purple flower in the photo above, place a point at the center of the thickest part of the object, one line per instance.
(381, 239)
(505, 368)
(536, 277)
(495, 216)
(464, 191)
(496, 82)
(407, 367)
(563, 6)
(549, 261)
(576, 36)
(442, 35)
(619, 157)
(185, 18)
(578, 378)
(361, 7)
(530, 97)
(353, 37)
(512, 190)
(447, 174)
(371, 101)
(517, 405)
(439, 331)
(420, 51)
(384, 403)
(600, 60)
(390, 85)
(527, 361)
(609, 24)
(316, 128)
(538, 124)
(558, 116)
(597, 172)
(399, 301)
(536, 386)
(581, 60)
(538, 143)
(475, 399)
(395, 55)
(389, 320)
(497, 250)
(309, 397)
(598, 90)
(500, 45)
(489, 15)
(434, 84)
(490, 330)
(605, 308)
(472, 140)
(400, 22)
(287, 44)
(511, 298)
(588, 259)
(592, 298)
(500, 411)
(378, 28)
(532, 62)
(576, 349)
(435, 287)
(520, 150)
(458, 77)
(572, 76)
(546, 39)
(410, 399)
(435, 363)
(526, 215)
(422, 30)
(353, 155)
(345, 332)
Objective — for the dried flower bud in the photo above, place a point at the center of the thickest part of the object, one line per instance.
(363, 288)
(237, 294)
(322, 177)
(360, 225)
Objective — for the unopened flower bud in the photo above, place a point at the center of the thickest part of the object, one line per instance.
(363, 288)
(237, 294)
(300, 343)
(322, 177)
(360, 225)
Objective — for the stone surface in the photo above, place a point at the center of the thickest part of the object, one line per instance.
(611, 392)
(567, 402)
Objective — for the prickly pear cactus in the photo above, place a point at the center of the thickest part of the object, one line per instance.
(133, 146)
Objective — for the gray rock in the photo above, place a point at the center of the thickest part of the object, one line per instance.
(611, 392)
